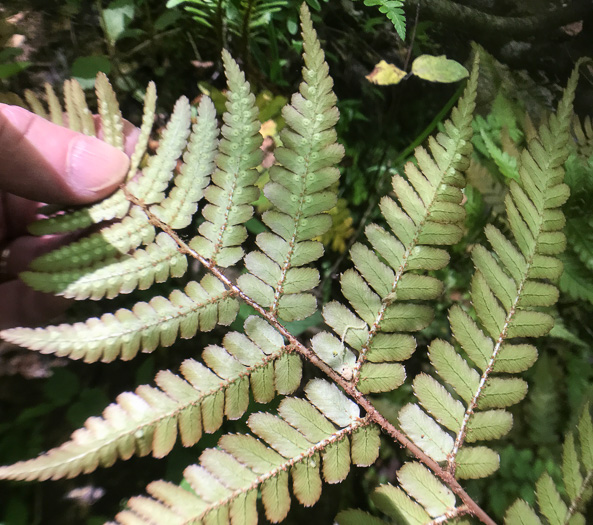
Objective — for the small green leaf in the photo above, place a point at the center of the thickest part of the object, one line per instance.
(381, 377)
(306, 481)
(438, 69)
(571, 473)
(365, 445)
(336, 461)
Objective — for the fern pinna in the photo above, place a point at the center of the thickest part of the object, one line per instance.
(313, 437)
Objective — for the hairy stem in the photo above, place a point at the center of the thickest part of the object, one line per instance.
(308, 354)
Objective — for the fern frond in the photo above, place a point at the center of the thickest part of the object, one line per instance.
(53, 103)
(146, 326)
(298, 190)
(309, 440)
(116, 239)
(577, 475)
(160, 260)
(112, 122)
(387, 298)
(149, 188)
(149, 420)
(233, 187)
(35, 104)
(113, 207)
(509, 288)
(180, 205)
(393, 10)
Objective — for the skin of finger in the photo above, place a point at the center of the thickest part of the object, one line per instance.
(42, 161)
(22, 306)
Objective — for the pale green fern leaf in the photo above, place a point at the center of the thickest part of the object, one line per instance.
(577, 476)
(115, 239)
(85, 117)
(309, 440)
(72, 113)
(151, 419)
(146, 326)
(299, 191)
(53, 103)
(180, 205)
(148, 114)
(232, 192)
(160, 260)
(148, 189)
(35, 104)
(112, 123)
(510, 287)
(113, 207)
(386, 297)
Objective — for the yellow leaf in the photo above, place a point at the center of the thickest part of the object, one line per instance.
(385, 74)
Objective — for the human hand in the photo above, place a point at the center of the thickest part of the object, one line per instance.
(43, 162)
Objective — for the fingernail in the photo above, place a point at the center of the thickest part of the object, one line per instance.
(94, 166)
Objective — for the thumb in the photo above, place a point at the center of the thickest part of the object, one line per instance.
(45, 162)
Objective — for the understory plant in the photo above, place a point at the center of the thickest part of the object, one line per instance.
(302, 433)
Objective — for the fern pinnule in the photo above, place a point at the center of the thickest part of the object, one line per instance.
(113, 207)
(187, 405)
(232, 190)
(54, 106)
(388, 300)
(309, 440)
(298, 190)
(147, 325)
(112, 122)
(35, 104)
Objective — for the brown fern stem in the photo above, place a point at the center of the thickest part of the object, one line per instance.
(308, 354)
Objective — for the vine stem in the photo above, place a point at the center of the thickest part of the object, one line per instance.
(308, 354)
